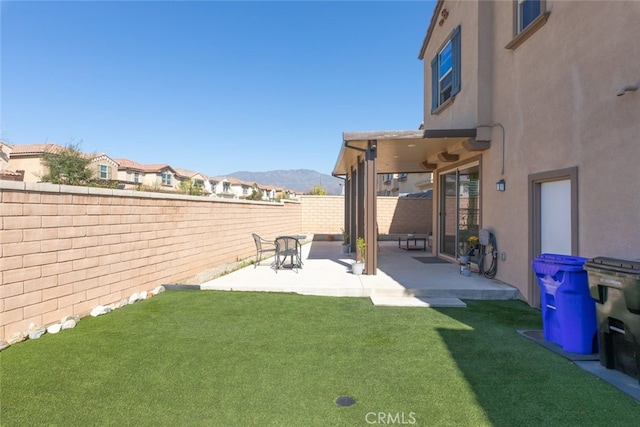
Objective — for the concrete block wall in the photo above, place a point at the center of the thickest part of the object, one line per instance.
(396, 215)
(322, 214)
(401, 215)
(65, 250)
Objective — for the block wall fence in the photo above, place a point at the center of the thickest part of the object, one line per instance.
(64, 250)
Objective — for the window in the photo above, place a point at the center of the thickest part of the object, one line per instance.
(226, 187)
(387, 177)
(528, 10)
(529, 16)
(445, 72)
(103, 171)
(166, 178)
(402, 176)
(136, 177)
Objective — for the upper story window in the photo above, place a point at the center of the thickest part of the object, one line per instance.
(136, 177)
(226, 187)
(445, 72)
(528, 11)
(387, 177)
(529, 17)
(103, 171)
(166, 178)
(402, 176)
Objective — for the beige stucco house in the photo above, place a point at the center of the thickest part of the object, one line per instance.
(153, 176)
(531, 130)
(28, 158)
(401, 184)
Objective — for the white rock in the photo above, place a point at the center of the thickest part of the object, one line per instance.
(3, 345)
(16, 337)
(158, 290)
(133, 298)
(99, 310)
(122, 303)
(54, 329)
(75, 318)
(35, 331)
(142, 295)
(68, 324)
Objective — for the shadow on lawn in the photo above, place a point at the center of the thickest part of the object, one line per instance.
(515, 380)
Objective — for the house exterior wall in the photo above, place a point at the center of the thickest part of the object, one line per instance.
(5, 154)
(31, 165)
(401, 184)
(555, 97)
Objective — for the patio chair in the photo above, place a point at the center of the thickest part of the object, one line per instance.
(262, 246)
(288, 247)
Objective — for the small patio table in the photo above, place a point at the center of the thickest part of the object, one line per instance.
(288, 247)
(415, 246)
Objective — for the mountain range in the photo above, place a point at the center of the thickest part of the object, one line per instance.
(300, 180)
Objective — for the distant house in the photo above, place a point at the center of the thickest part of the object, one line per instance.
(195, 179)
(28, 159)
(24, 163)
(105, 168)
(154, 176)
(5, 153)
(399, 184)
(229, 187)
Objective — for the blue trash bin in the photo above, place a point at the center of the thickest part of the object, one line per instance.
(568, 311)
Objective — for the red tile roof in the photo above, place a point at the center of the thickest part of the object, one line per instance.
(30, 149)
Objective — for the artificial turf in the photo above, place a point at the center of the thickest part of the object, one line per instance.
(256, 359)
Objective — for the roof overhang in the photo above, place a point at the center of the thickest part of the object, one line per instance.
(404, 151)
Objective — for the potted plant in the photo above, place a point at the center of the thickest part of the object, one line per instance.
(346, 247)
(361, 246)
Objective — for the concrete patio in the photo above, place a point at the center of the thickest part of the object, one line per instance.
(402, 280)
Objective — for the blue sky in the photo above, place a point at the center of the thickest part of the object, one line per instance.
(211, 86)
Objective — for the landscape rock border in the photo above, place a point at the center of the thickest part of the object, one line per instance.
(35, 331)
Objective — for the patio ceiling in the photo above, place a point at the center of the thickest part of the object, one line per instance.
(404, 151)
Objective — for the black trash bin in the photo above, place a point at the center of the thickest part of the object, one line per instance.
(615, 285)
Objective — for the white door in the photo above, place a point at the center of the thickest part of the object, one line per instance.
(555, 217)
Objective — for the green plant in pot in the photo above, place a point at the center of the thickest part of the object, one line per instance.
(361, 247)
(346, 247)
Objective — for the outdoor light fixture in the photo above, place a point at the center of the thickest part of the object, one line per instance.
(501, 185)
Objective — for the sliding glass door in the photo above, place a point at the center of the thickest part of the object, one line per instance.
(460, 211)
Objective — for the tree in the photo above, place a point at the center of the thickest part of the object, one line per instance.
(318, 190)
(256, 194)
(68, 166)
(191, 188)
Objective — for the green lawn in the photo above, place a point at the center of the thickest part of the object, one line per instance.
(256, 359)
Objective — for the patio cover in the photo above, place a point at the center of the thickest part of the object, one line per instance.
(363, 155)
